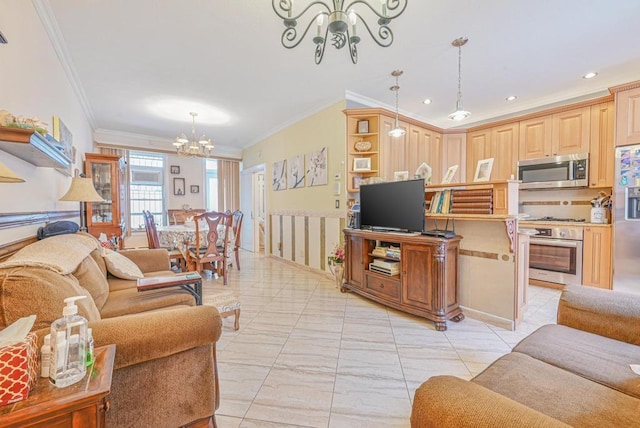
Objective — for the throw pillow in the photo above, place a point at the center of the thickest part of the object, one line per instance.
(91, 277)
(120, 266)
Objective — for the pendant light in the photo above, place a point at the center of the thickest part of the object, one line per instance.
(397, 131)
(460, 113)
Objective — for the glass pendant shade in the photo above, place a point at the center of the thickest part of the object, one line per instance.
(459, 114)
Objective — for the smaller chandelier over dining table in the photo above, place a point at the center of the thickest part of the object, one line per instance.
(193, 146)
(339, 20)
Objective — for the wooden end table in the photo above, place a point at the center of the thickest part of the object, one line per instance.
(83, 404)
(189, 281)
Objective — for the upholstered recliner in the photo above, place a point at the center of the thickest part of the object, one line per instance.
(165, 370)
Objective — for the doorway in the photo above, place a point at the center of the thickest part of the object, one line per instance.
(253, 205)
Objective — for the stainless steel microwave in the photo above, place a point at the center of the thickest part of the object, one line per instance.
(554, 172)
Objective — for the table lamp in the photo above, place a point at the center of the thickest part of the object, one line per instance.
(82, 190)
(8, 176)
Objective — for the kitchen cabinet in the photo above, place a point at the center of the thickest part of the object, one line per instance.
(393, 150)
(499, 143)
(454, 153)
(596, 261)
(106, 217)
(601, 146)
(628, 117)
(562, 133)
(428, 283)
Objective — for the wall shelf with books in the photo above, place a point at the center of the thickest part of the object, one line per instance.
(478, 199)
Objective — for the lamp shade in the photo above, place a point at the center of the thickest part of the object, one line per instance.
(82, 190)
(8, 176)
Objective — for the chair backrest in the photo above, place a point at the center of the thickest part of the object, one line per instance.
(152, 232)
(214, 219)
(237, 226)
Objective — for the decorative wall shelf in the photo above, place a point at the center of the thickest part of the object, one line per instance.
(30, 146)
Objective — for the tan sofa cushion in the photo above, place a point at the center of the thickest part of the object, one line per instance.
(131, 301)
(91, 277)
(97, 257)
(594, 357)
(120, 266)
(558, 393)
(33, 290)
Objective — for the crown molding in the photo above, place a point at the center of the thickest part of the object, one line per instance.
(625, 87)
(52, 29)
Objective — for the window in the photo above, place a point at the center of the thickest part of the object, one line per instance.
(146, 191)
(212, 184)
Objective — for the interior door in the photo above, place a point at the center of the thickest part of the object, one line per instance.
(246, 206)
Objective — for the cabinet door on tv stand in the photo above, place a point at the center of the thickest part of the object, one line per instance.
(417, 276)
(355, 262)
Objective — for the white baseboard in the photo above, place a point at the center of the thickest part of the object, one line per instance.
(488, 318)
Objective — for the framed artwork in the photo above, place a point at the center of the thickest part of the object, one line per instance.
(175, 169)
(317, 167)
(401, 176)
(195, 188)
(178, 186)
(483, 170)
(362, 164)
(449, 175)
(424, 172)
(62, 134)
(295, 178)
(363, 127)
(279, 180)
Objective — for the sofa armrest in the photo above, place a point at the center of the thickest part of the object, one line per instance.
(447, 401)
(606, 313)
(149, 260)
(153, 335)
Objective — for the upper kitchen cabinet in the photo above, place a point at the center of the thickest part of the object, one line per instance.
(393, 150)
(628, 116)
(562, 133)
(601, 152)
(499, 143)
(453, 152)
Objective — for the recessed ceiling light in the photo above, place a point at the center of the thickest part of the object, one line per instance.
(590, 75)
(427, 101)
(511, 98)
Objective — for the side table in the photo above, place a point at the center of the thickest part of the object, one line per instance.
(82, 404)
(189, 281)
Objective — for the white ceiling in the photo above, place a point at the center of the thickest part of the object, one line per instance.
(226, 54)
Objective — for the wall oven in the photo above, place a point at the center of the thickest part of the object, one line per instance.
(554, 172)
(555, 255)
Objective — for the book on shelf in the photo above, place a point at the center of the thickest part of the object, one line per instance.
(472, 199)
(472, 210)
(485, 204)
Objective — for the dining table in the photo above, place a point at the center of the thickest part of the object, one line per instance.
(175, 236)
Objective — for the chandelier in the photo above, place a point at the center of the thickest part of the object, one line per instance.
(338, 20)
(460, 113)
(193, 147)
(397, 131)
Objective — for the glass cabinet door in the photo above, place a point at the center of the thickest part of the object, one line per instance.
(102, 175)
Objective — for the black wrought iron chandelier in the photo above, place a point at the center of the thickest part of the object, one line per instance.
(193, 147)
(338, 20)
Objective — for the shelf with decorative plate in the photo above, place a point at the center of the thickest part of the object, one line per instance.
(31, 147)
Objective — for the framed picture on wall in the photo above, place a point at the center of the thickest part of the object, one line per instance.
(175, 169)
(363, 127)
(362, 164)
(195, 188)
(483, 170)
(178, 186)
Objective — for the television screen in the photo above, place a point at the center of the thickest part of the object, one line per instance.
(397, 205)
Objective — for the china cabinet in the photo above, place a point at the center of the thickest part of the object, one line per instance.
(106, 217)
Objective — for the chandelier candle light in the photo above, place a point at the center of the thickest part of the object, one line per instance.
(193, 147)
(397, 131)
(338, 20)
(460, 113)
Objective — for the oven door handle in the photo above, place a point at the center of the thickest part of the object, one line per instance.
(555, 242)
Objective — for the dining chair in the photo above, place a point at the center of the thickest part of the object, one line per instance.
(180, 216)
(209, 253)
(154, 242)
(236, 226)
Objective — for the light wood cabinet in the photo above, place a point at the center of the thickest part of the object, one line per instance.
(562, 133)
(454, 153)
(499, 143)
(571, 130)
(433, 154)
(628, 117)
(535, 137)
(106, 217)
(596, 261)
(428, 282)
(393, 150)
(601, 151)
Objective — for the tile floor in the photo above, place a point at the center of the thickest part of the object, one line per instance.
(307, 355)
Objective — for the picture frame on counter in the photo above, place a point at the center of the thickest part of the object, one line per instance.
(451, 172)
(363, 127)
(361, 164)
(483, 170)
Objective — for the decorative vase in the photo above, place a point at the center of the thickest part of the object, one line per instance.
(337, 269)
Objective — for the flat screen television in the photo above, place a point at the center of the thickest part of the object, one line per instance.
(394, 206)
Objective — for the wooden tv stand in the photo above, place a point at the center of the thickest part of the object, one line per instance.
(427, 284)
